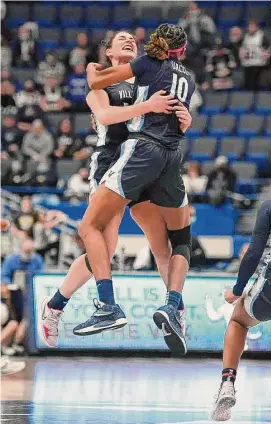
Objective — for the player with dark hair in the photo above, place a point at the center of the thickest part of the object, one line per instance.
(253, 307)
(111, 107)
(149, 162)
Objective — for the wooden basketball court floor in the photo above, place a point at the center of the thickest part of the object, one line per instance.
(92, 390)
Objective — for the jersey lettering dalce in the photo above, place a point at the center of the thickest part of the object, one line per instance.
(153, 75)
(120, 94)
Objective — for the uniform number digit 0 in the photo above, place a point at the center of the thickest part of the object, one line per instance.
(182, 89)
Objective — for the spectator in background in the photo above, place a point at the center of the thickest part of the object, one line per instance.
(221, 182)
(28, 101)
(200, 29)
(38, 144)
(254, 55)
(7, 93)
(15, 267)
(83, 53)
(11, 137)
(219, 64)
(53, 97)
(235, 42)
(78, 186)
(15, 175)
(67, 143)
(25, 49)
(50, 68)
(195, 184)
(24, 220)
(45, 239)
(29, 96)
(12, 333)
(140, 36)
(6, 54)
(44, 174)
(76, 88)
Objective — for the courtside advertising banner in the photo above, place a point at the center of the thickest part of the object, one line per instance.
(207, 314)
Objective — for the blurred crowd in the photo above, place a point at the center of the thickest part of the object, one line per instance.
(241, 61)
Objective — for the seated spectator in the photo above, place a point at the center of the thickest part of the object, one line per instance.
(254, 55)
(53, 97)
(235, 41)
(38, 144)
(6, 55)
(8, 89)
(140, 36)
(44, 237)
(16, 175)
(50, 68)
(76, 89)
(11, 137)
(78, 186)
(25, 49)
(28, 101)
(83, 53)
(200, 29)
(44, 174)
(194, 183)
(67, 144)
(24, 220)
(15, 268)
(29, 96)
(12, 333)
(219, 65)
(221, 182)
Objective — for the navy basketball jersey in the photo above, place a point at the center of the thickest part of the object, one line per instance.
(153, 75)
(120, 94)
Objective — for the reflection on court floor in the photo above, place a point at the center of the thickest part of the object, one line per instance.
(131, 391)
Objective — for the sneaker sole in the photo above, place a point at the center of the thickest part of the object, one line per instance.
(224, 406)
(175, 343)
(40, 324)
(88, 331)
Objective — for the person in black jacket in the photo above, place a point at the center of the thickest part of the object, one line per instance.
(25, 51)
(221, 181)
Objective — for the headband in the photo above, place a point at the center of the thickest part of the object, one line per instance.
(180, 50)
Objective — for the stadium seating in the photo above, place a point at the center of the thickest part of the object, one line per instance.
(45, 15)
(232, 147)
(222, 125)
(18, 14)
(203, 149)
(241, 102)
(97, 17)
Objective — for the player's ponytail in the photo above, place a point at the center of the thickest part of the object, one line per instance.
(167, 39)
(157, 47)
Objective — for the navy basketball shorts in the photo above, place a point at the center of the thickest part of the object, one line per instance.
(147, 167)
(101, 160)
(257, 301)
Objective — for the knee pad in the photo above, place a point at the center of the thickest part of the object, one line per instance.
(88, 264)
(181, 242)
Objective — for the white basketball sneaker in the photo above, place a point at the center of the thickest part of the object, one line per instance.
(224, 401)
(48, 323)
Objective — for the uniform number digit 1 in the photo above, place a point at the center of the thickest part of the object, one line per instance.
(182, 89)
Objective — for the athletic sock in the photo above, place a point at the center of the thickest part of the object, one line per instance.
(181, 304)
(228, 374)
(173, 298)
(58, 301)
(105, 291)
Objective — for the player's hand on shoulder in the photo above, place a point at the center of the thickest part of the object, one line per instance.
(92, 66)
(230, 297)
(160, 103)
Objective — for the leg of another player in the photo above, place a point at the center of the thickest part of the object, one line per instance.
(104, 206)
(149, 219)
(234, 344)
(78, 274)
(166, 318)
